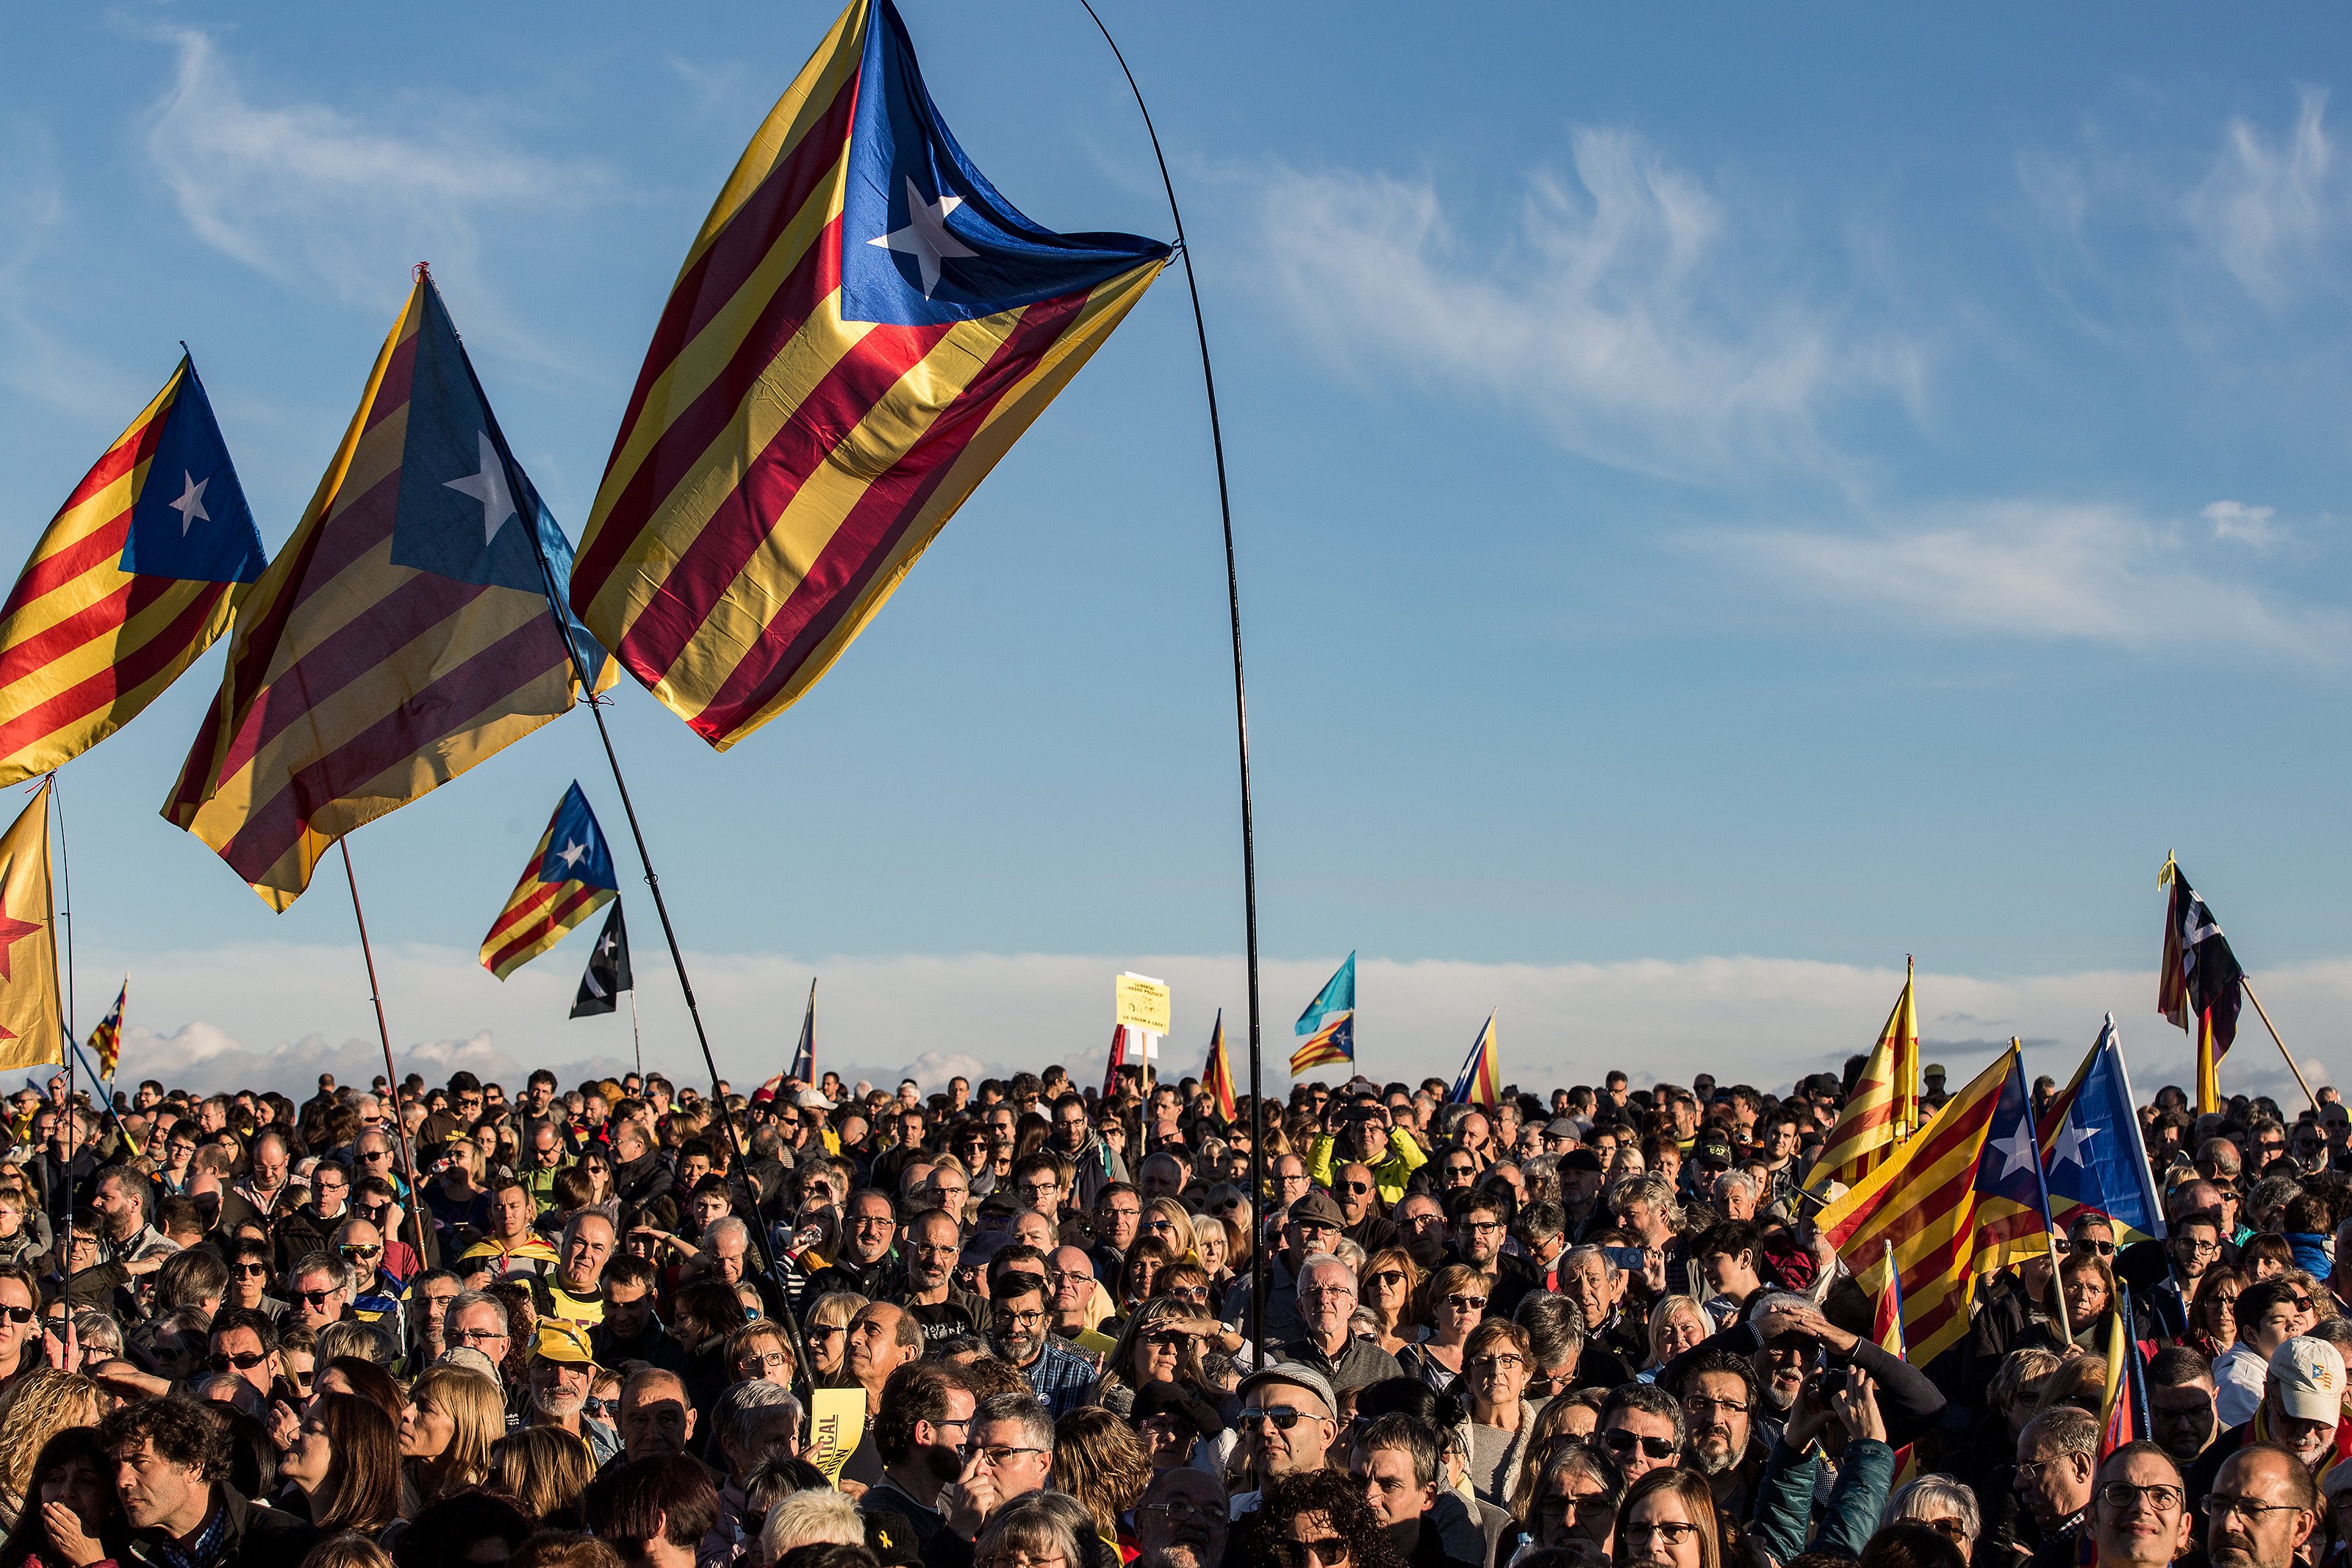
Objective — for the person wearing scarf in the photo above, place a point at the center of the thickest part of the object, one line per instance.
(2302, 1411)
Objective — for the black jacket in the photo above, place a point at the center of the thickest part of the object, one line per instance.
(255, 1537)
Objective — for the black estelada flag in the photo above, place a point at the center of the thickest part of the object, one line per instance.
(2200, 972)
(608, 969)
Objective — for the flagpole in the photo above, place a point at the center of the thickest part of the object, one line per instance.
(65, 881)
(1241, 696)
(415, 1204)
(636, 1038)
(2147, 1172)
(2249, 988)
(2042, 1186)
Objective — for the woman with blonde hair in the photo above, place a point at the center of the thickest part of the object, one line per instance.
(1677, 1323)
(543, 1471)
(1390, 1281)
(1168, 1222)
(1099, 1460)
(37, 1406)
(828, 1334)
(452, 1417)
(1453, 1299)
(1212, 1244)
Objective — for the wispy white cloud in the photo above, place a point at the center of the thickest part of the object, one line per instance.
(2266, 204)
(1623, 309)
(2081, 572)
(280, 1014)
(2245, 525)
(310, 193)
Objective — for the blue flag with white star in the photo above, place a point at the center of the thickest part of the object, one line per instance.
(2091, 1147)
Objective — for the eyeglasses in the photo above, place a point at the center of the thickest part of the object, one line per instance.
(996, 1456)
(1169, 1339)
(1466, 1303)
(1386, 1277)
(2199, 1248)
(2246, 1508)
(1673, 1531)
(18, 1314)
(1329, 1549)
(314, 1297)
(2103, 1248)
(1497, 1363)
(771, 1361)
(2162, 1499)
(1571, 1502)
(1700, 1403)
(360, 1252)
(1283, 1417)
(1625, 1442)
(250, 1270)
(1021, 1319)
(475, 1336)
(1352, 1187)
(1182, 1509)
(244, 1360)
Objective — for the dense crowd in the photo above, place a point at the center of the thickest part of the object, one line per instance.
(444, 1325)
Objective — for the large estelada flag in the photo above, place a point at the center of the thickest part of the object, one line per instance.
(32, 1026)
(2091, 1149)
(569, 877)
(403, 635)
(1961, 1199)
(134, 576)
(1328, 1027)
(1871, 1124)
(860, 331)
(1217, 1073)
(1480, 1081)
(2198, 975)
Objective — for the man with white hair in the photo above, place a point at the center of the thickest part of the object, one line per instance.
(1326, 1300)
(2301, 1407)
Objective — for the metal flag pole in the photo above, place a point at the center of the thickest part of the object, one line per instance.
(2042, 1186)
(1241, 699)
(415, 1205)
(2248, 986)
(65, 914)
(636, 1035)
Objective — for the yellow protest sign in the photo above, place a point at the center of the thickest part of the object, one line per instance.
(836, 1426)
(1141, 1003)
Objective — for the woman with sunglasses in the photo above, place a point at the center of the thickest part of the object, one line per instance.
(2213, 1312)
(827, 1333)
(1168, 1222)
(1667, 1521)
(1314, 1519)
(343, 1471)
(1453, 1301)
(1157, 1345)
(1390, 1281)
(1574, 1497)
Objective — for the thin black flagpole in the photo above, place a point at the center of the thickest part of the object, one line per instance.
(1241, 703)
(415, 1205)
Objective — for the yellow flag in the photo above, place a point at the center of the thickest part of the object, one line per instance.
(32, 1028)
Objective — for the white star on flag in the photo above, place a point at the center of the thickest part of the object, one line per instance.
(190, 504)
(926, 236)
(571, 856)
(488, 487)
(2073, 1138)
(2014, 1151)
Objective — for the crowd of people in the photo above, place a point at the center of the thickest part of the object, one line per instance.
(438, 1325)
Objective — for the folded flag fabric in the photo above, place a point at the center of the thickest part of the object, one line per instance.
(1328, 1024)
(570, 877)
(401, 635)
(2091, 1151)
(1217, 1072)
(106, 1040)
(32, 1025)
(2199, 973)
(860, 331)
(134, 576)
(1871, 1124)
(1480, 1081)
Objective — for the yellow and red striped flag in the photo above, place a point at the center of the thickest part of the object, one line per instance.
(1871, 1124)
(860, 331)
(401, 635)
(1217, 1073)
(135, 576)
(570, 877)
(106, 1040)
(1961, 1199)
(32, 1025)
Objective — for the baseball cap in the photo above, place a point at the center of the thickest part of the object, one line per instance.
(559, 1339)
(1712, 1146)
(2307, 1375)
(1298, 1376)
(472, 1360)
(1318, 1207)
(813, 1099)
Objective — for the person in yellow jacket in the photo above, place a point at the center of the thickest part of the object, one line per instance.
(1365, 1131)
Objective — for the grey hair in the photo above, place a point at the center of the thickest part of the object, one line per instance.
(1936, 1497)
(96, 1328)
(1739, 1180)
(817, 1516)
(2062, 1429)
(325, 1263)
(746, 1406)
(1653, 1189)
(464, 1299)
(726, 1225)
(1580, 1255)
(1323, 1261)
(1024, 1410)
(1777, 1302)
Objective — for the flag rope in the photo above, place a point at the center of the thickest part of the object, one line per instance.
(1241, 696)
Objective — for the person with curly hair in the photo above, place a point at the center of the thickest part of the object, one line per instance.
(1314, 1519)
(38, 1406)
(170, 1460)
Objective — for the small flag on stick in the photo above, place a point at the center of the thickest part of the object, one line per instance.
(32, 1026)
(1217, 1072)
(1328, 1024)
(1480, 1081)
(608, 969)
(106, 1040)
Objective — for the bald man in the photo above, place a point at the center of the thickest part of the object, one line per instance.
(656, 1416)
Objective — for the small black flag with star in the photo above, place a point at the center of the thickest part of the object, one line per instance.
(608, 969)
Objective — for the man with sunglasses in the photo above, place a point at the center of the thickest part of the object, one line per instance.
(1367, 1135)
(1641, 1426)
(318, 1293)
(245, 1344)
(1288, 1420)
(1352, 1188)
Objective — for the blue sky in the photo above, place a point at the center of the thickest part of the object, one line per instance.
(1710, 485)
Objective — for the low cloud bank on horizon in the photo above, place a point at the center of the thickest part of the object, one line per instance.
(275, 1016)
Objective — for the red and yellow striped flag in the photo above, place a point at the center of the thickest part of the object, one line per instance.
(860, 331)
(401, 635)
(1871, 1124)
(1217, 1073)
(134, 576)
(32, 1025)
(1962, 1197)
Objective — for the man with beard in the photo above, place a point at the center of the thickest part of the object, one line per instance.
(1719, 1394)
(1326, 1300)
(1362, 1222)
(2263, 1509)
(930, 1292)
(1421, 1225)
(2056, 1455)
(869, 1228)
(919, 1432)
(2141, 1517)
(2302, 1403)
(1018, 1329)
(1098, 1164)
(1394, 1459)
(1181, 1519)
(168, 1460)
(561, 1374)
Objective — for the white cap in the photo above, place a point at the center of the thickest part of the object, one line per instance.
(813, 1099)
(2307, 1375)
